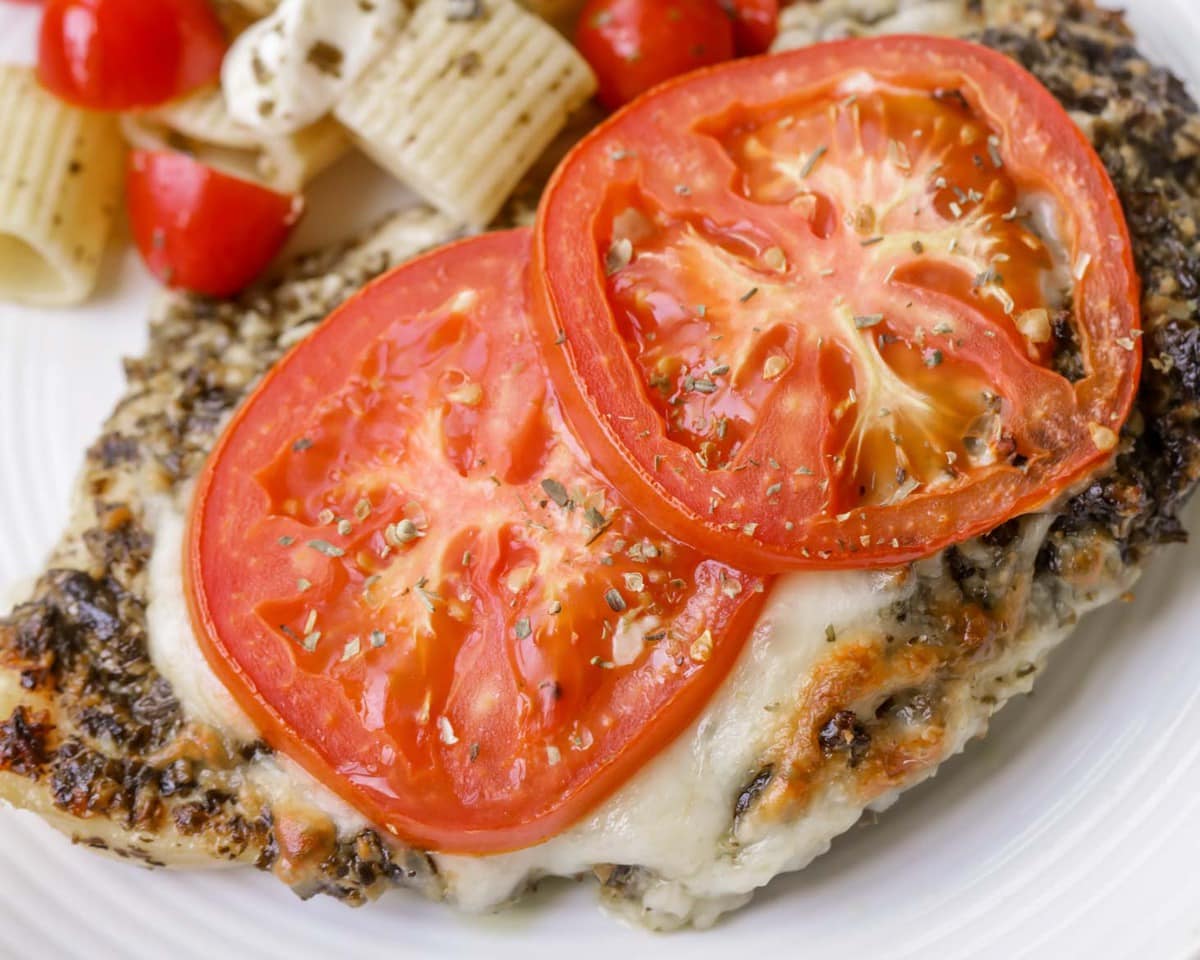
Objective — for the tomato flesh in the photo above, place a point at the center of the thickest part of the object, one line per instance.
(127, 54)
(815, 321)
(633, 45)
(202, 230)
(413, 579)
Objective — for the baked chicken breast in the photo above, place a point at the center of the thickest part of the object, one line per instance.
(854, 686)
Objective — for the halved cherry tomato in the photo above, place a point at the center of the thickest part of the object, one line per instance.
(755, 24)
(125, 54)
(404, 569)
(633, 45)
(841, 306)
(202, 230)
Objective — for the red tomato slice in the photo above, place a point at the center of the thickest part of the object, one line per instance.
(126, 54)
(841, 306)
(633, 45)
(411, 577)
(201, 230)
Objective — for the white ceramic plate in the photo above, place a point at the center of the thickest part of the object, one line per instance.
(1073, 830)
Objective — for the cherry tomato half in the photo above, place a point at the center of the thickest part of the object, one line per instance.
(633, 45)
(202, 230)
(755, 24)
(126, 54)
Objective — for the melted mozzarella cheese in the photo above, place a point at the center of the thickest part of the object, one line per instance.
(290, 68)
(173, 647)
(673, 818)
(177, 656)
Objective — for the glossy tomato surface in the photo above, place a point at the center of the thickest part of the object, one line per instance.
(755, 24)
(840, 306)
(202, 230)
(418, 586)
(127, 54)
(633, 45)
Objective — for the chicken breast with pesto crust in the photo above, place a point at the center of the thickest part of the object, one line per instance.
(853, 686)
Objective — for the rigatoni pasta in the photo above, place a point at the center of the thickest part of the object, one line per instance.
(521, 208)
(60, 182)
(462, 106)
(803, 23)
(201, 125)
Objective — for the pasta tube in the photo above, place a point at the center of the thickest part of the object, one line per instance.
(202, 126)
(60, 182)
(465, 102)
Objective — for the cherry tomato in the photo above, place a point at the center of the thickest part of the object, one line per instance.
(420, 588)
(202, 230)
(126, 54)
(632, 45)
(841, 306)
(755, 24)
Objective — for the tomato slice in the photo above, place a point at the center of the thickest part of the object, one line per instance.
(127, 54)
(840, 306)
(202, 230)
(405, 570)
